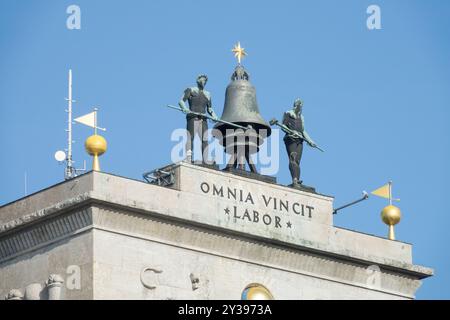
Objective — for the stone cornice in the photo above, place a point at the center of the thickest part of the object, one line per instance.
(40, 234)
(44, 213)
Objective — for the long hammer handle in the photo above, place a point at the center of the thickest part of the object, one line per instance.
(208, 117)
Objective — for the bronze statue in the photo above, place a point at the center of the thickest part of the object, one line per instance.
(199, 103)
(294, 127)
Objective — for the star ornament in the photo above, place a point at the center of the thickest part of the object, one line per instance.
(239, 52)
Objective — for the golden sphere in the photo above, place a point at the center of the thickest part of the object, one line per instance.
(256, 291)
(95, 145)
(391, 215)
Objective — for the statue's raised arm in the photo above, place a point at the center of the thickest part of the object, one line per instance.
(210, 110)
(184, 98)
(305, 134)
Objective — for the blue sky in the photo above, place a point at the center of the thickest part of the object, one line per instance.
(376, 100)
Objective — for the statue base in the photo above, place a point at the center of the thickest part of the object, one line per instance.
(212, 165)
(302, 187)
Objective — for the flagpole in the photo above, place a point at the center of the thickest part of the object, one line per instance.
(390, 192)
(95, 121)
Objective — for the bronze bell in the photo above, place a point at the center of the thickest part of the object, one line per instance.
(241, 106)
(242, 109)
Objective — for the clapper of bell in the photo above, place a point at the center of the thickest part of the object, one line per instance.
(241, 108)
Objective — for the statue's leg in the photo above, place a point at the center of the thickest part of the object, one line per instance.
(204, 137)
(292, 151)
(190, 138)
(299, 157)
(197, 131)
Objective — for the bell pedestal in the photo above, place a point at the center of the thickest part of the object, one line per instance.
(251, 175)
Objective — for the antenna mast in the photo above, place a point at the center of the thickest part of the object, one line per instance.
(60, 156)
(70, 172)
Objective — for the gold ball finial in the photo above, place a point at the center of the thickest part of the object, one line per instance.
(391, 215)
(256, 291)
(96, 146)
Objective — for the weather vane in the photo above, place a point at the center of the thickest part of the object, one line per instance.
(95, 145)
(239, 52)
(390, 214)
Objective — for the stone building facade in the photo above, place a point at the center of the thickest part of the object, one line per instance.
(207, 235)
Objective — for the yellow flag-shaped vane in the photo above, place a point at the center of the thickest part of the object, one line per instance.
(385, 192)
(87, 119)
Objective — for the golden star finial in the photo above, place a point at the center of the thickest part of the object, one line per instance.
(239, 52)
